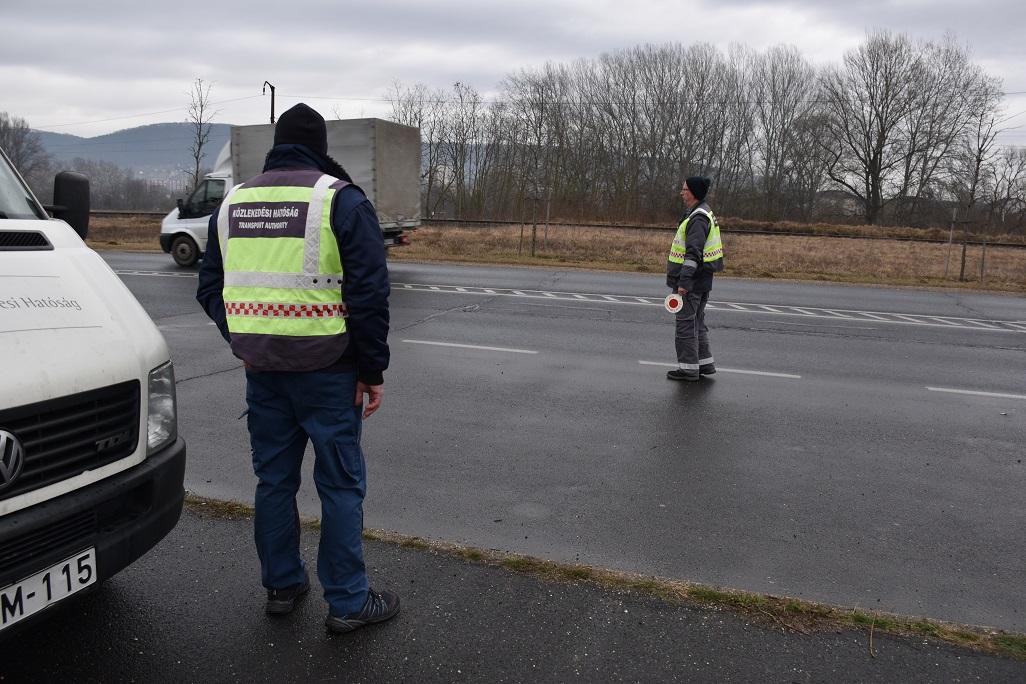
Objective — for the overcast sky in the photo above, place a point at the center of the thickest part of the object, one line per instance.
(92, 68)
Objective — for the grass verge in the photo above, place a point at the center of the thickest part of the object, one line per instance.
(788, 614)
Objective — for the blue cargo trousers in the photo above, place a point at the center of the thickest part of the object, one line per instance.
(286, 410)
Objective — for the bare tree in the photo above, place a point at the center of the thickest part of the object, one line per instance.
(783, 113)
(611, 137)
(200, 115)
(946, 93)
(973, 162)
(867, 100)
(1006, 191)
(424, 109)
(24, 148)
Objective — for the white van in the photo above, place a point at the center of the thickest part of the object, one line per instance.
(91, 465)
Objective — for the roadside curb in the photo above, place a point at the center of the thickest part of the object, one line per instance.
(766, 610)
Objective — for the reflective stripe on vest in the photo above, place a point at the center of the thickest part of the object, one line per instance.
(713, 248)
(282, 266)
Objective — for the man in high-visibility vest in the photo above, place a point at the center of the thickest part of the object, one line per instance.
(695, 255)
(295, 278)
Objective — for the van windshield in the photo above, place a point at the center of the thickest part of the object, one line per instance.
(16, 201)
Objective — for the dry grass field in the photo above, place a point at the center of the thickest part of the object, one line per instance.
(761, 256)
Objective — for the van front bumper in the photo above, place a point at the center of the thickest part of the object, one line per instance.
(121, 517)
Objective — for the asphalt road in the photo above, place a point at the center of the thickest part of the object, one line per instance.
(190, 611)
(861, 446)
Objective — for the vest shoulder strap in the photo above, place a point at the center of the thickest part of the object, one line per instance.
(699, 210)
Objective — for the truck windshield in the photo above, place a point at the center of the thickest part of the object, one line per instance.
(16, 200)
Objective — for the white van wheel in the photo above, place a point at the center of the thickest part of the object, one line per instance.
(184, 250)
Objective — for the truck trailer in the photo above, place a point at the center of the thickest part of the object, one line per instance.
(382, 157)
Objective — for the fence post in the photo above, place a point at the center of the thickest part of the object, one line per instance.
(961, 271)
(534, 225)
(951, 237)
(983, 263)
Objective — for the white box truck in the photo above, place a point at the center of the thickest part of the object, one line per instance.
(91, 464)
(382, 157)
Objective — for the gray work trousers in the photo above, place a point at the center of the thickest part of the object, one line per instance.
(692, 337)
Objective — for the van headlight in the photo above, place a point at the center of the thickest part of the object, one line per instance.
(161, 414)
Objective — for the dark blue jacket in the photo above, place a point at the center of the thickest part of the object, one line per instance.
(365, 281)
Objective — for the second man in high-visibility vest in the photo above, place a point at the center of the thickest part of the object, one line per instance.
(695, 255)
(295, 278)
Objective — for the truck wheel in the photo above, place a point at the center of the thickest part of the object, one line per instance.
(184, 250)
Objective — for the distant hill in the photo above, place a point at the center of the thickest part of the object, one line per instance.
(157, 151)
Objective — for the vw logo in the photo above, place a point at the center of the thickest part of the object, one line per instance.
(12, 459)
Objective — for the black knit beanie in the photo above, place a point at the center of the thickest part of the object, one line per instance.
(699, 186)
(301, 125)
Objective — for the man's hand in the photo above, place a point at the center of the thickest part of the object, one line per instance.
(375, 392)
(681, 291)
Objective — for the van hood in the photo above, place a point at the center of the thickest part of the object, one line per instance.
(67, 322)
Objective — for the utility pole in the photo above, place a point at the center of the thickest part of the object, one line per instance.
(263, 91)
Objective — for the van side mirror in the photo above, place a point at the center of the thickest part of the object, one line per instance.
(181, 207)
(71, 201)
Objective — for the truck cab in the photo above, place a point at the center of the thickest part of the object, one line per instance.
(91, 464)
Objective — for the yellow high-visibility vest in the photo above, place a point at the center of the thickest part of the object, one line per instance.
(713, 248)
(282, 269)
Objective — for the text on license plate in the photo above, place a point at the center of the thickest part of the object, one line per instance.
(33, 594)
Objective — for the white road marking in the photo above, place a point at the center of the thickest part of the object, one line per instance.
(998, 395)
(835, 327)
(922, 320)
(160, 274)
(728, 370)
(471, 346)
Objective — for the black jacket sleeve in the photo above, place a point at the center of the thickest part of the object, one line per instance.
(365, 285)
(694, 244)
(211, 280)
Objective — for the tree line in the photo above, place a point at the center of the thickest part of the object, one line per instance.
(901, 131)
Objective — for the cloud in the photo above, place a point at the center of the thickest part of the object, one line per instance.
(92, 62)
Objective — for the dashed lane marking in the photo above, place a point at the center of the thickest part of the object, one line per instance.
(729, 370)
(923, 320)
(471, 346)
(159, 274)
(976, 393)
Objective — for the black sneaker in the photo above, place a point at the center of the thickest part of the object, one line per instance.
(680, 374)
(707, 369)
(377, 608)
(283, 601)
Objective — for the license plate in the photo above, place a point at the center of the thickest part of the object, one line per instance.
(33, 594)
